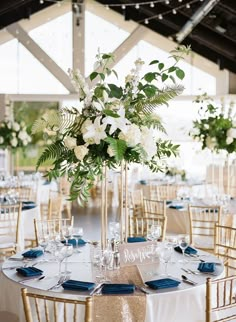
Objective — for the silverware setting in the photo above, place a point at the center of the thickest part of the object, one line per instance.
(187, 280)
(32, 279)
(97, 289)
(140, 288)
(61, 280)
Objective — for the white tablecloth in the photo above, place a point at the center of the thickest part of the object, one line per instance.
(185, 303)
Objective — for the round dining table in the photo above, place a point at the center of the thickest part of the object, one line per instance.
(184, 303)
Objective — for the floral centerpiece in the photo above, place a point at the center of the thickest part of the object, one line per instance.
(13, 135)
(111, 123)
(216, 127)
(173, 171)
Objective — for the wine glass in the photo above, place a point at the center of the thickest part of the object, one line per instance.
(114, 229)
(67, 232)
(165, 254)
(78, 234)
(155, 232)
(60, 254)
(67, 251)
(183, 242)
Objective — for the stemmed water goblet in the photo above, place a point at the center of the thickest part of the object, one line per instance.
(165, 254)
(77, 234)
(67, 251)
(155, 232)
(114, 229)
(67, 232)
(183, 242)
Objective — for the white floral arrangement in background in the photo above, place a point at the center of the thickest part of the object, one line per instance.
(111, 123)
(13, 135)
(216, 127)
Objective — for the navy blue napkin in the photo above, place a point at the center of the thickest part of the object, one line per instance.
(189, 250)
(29, 271)
(118, 288)
(162, 283)
(136, 239)
(176, 207)
(33, 253)
(206, 267)
(73, 242)
(168, 202)
(78, 285)
(28, 205)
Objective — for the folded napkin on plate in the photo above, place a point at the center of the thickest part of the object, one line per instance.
(206, 267)
(28, 205)
(118, 288)
(162, 283)
(33, 253)
(189, 250)
(136, 239)
(176, 206)
(29, 271)
(74, 242)
(78, 285)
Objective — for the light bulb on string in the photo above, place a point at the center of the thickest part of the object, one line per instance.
(41, 1)
(188, 6)
(107, 7)
(146, 21)
(137, 6)
(180, 0)
(160, 17)
(174, 12)
(152, 5)
(167, 2)
(123, 7)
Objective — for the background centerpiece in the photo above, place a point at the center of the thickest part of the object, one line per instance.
(111, 123)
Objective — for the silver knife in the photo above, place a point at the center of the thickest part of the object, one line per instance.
(96, 288)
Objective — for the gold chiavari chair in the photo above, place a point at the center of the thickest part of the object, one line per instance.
(220, 299)
(141, 226)
(53, 208)
(202, 226)
(154, 208)
(136, 202)
(46, 308)
(225, 247)
(163, 192)
(64, 188)
(10, 216)
(45, 228)
(25, 194)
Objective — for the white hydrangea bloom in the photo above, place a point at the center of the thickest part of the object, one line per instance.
(229, 140)
(70, 142)
(231, 133)
(1, 140)
(23, 135)
(80, 152)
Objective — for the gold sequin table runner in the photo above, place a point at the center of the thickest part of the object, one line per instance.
(121, 308)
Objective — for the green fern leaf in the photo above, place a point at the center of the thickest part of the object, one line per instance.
(38, 126)
(118, 146)
(53, 151)
(161, 98)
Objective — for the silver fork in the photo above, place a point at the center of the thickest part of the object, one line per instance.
(61, 280)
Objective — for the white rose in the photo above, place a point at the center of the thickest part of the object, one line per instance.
(70, 142)
(206, 126)
(25, 142)
(231, 133)
(132, 136)
(14, 142)
(23, 135)
(1, 140)
(80, 152)
(9, 125)
(229, 140)
(110, 151)
(16, 126)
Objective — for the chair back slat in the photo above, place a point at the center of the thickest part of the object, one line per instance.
(49, 308)
(220, 299)
(202, 225)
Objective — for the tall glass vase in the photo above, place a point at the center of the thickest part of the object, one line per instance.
(11, 161)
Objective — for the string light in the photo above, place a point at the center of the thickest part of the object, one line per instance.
(188, 6)
(160, 16)
(174, 12)
(167, 2)
(41, 1)
(137, 6)
(123, 6)
(146, 21)
(152, 5)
